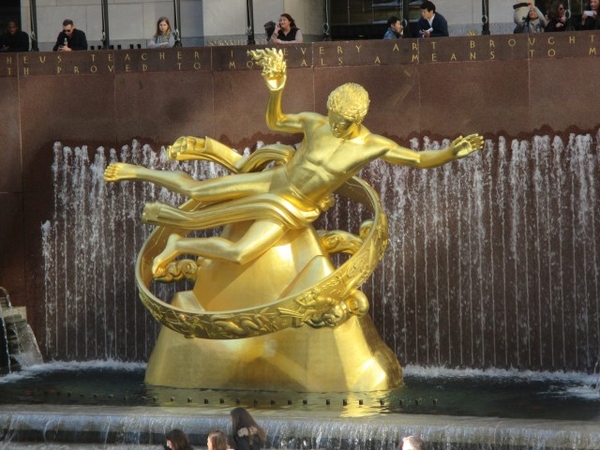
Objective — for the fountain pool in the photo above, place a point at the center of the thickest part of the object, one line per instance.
(107, 404)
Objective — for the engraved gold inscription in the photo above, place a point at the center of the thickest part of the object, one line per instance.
(340, 54)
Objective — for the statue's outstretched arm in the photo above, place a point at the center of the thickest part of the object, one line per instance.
(459, 148)
(274, 71)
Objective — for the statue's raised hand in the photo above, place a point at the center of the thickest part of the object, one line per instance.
(464, 146)
(274, 67)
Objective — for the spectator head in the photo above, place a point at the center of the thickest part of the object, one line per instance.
(532, 15)
(177, 440)
(68, 27)
(290, 19)
(395, 24)
(412, 443)
(392, 20)
(217, 440)
(12, 27)
(269, 28)
(428, 6)
(163, 26)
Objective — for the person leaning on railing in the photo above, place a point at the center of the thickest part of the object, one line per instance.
(590, 19)
(286, 31)
(432, 23)
(164, 36)
(14, 40)
(70, 38)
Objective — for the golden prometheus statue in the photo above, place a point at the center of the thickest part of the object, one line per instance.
(268, 309)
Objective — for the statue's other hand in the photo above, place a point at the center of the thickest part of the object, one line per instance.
(274, 66)
(464, 146)
(186, 147)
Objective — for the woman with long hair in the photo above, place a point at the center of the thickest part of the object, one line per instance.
(247, 434)
(177, 440)
(557, 19)
(163, 37)
(286, 31)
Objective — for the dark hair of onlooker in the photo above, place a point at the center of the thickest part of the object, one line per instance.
(288, 17)
(429, 6)
(67, 22)
(179, 439)
(240, 418)
(392, 20)
(557, 19)
(269, 28)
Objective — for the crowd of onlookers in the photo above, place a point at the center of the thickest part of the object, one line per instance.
(70, 38)
(248, 435)
(528, 18)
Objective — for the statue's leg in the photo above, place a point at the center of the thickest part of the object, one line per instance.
(173, 180)
(260, 237)
(221, 188)
(231, 186)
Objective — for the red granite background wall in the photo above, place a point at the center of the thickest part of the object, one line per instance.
(503, 87)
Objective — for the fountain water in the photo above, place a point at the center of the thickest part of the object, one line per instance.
(493, 261)
(90, 247)
(506, 276)
(18, 345)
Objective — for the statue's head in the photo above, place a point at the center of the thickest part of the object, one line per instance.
(350, 100)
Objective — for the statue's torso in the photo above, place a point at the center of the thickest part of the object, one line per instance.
(323, 162)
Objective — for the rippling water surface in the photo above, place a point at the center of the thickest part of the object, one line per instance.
(505, 394)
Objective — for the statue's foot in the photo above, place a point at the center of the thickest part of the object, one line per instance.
(151, 213)
(161, 261)
(120, 171)
(185, 148)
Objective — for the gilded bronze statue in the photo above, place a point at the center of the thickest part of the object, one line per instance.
(268, 304)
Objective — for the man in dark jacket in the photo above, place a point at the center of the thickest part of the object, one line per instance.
(14, 40)
(432, 24)
(70, 38)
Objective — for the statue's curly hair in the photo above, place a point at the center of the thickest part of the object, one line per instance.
(350, 100)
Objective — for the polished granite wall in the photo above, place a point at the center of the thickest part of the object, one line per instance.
(504, 86)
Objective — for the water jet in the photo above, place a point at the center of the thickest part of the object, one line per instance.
(18, 345)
